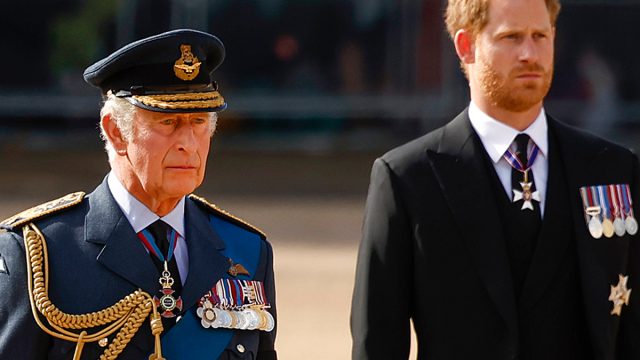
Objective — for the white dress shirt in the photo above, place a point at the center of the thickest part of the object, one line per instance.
(497, 137)
(140, 217)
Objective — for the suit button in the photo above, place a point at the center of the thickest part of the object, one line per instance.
(240, 348)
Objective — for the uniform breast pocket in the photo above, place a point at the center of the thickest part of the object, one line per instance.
(243, 345)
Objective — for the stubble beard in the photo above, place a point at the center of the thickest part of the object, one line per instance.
(510, 94)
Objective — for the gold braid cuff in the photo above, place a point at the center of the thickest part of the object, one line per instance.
(126, 316)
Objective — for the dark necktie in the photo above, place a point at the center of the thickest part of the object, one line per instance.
(517, 177)
(528, 221)
(160, 231)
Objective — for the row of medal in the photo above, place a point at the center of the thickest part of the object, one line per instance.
(236, 304)
(608, 210)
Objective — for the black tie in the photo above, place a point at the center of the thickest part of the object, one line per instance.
(528, 221)
(160, 231)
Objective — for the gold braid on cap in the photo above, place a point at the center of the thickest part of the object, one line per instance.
(203, 100)
(127, 315)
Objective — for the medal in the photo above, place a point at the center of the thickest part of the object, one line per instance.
(592, 212)
(607, 228)
(207, 314)
(225, 319)
(270, 323)
(235, 304)
(234, 319)
(263, 320)
(619, 227)
(620, 295)
(527, 195)
(595, 227)
(167, 303)
(618, 223)
(243, 320)
(630, 223)
(253, 319)
(607, 225)
(221, 318)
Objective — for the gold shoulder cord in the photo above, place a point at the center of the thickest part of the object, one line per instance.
(127, 315)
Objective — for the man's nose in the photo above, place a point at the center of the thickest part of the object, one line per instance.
(528, 50)
(186, 138)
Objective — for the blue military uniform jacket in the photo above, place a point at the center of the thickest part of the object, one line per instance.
(95, 259)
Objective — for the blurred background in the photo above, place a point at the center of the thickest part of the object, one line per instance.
(317, 89)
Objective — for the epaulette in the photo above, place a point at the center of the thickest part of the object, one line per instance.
(226, 215)
(43, 210)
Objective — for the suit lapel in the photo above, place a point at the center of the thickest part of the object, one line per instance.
(206, 262)
(122, 253)
(464, 180)
(599, 260)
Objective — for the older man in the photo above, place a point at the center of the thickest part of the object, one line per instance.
(139, 268)
(504, 234)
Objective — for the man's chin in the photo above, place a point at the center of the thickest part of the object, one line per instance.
(521, 100)
(177, 188)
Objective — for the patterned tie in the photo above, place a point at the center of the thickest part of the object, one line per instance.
(527, 221)
(160, 231)
(517, 177)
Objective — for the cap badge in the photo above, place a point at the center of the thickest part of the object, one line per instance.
(188, 66)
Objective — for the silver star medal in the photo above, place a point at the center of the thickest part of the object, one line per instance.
(526, 194)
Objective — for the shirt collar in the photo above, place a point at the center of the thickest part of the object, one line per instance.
(138, 214)
(496, 136)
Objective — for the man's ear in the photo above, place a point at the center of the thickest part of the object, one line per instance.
(465, 46)
(114, 134)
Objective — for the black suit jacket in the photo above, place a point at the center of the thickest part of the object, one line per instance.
(433, 251)
(95, 259)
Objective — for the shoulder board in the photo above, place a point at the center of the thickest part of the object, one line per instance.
(43, 210)
(226, 215)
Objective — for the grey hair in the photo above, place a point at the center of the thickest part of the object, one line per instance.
(123, 113)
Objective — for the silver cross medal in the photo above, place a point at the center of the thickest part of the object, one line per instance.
(526, 194)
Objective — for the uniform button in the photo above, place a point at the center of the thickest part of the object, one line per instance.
(240, 348)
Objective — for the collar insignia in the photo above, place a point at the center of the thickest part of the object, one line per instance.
(188, 66)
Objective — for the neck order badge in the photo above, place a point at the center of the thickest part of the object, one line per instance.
(169, 305)
(528, 194)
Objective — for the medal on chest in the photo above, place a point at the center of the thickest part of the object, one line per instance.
(167, 303)
(620, 295)
(608, 210)
(526, 194)
(236, 304)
